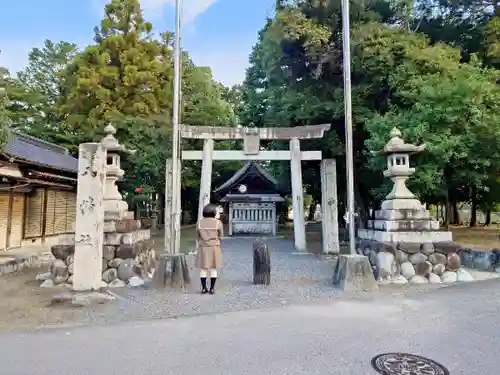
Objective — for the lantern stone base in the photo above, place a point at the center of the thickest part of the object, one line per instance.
(396, 237)
(353, 273)
(404, 225)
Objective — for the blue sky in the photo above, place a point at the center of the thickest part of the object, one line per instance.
(217, 33)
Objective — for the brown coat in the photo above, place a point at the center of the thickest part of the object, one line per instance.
(209, 254)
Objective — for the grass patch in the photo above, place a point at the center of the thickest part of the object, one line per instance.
(481, 237)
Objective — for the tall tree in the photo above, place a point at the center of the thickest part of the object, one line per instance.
(44, 84)
(4, 117)
(126, 73)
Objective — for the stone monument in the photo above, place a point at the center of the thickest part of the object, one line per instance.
(111, 248)
(403, 242)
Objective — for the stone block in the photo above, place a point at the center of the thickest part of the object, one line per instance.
(409, 247)
(109, 227)
(112, 239)
(147, 223)
(126, 226)
(402, 214)
(405, 236)
(62, 251)
(108, 252)
(127, 251)
(138, 224)
(129, 215)
(354, 273)
(446, 247)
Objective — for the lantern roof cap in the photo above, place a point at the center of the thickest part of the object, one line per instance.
(397, 145)
(111, 143)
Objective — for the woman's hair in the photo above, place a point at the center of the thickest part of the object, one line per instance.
(210, 210)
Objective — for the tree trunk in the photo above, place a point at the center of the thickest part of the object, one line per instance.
(312, 208)
(446, 210)
(488, 217)
(455, 215)
(473, 214)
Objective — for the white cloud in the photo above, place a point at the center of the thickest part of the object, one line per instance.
(154, 9)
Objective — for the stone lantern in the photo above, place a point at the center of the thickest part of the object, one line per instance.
(402, 218)
(114, 205)
(398, 170)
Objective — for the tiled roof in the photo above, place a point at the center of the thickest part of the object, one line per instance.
(241, 174)
(38, 152)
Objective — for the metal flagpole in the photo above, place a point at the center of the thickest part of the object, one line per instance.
(346, 49)
(176, 188)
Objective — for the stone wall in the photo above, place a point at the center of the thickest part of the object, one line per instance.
(481, 260)
(128, 257)
(415, 263)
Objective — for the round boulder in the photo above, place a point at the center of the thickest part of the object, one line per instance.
(388, 247)
(453, 262)
(439, 269)
(427, 248)
(437, 258)
(70, 259)
(109, 275)
(417, 279)
(434, 279)
(385, 264)
(126, 269)
(423, 268)
(115, 263)
(59, 271)
(449, 277)
(62, 251)
(407, 270)
(401, 256)
(417, 258)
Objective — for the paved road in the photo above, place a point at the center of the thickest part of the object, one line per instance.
(458, 326)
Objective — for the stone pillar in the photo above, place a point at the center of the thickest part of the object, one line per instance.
(206, 175)
(168, 206)
(177, 209)
(329, 223)
(230, 220)
(299, 227)
(275, 224)
(89, 227)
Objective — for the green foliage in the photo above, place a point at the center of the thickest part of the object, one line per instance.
(399, 79)
(4, 118)
(429, 68)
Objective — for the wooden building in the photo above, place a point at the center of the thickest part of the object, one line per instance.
(37, 193)
(250, 196)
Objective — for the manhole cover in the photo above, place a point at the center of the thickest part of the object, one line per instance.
(407, 364)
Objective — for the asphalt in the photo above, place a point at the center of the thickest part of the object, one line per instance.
(457, 326)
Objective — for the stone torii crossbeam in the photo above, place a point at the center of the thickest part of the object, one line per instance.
(251, 151)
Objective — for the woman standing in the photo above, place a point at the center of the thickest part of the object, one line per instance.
(209, 254)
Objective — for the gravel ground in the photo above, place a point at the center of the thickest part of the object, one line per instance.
(295, 279)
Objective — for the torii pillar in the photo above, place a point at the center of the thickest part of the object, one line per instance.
(251, 138)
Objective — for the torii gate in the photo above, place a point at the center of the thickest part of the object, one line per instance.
(251, 151)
